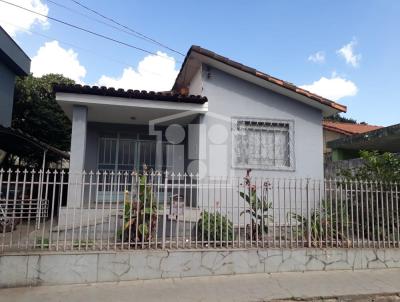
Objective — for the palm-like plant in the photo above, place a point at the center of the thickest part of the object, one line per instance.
(259, 207)
(140, 214)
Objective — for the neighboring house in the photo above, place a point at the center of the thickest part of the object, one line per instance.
(383, 139)
(335, 130)
(219, 119)
(14, 62)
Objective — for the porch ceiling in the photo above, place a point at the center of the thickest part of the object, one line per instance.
(116, 110)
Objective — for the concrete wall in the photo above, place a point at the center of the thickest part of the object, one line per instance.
(66, 268)
(229, 97)
(7, 82)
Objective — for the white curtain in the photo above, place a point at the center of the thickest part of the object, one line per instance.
(282, 156)
(261, 144)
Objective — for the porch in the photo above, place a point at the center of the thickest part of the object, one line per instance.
(118, 131)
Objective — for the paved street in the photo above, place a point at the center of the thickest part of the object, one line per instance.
(258, 287)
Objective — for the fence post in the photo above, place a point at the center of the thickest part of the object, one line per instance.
(164, 230)
(40, 193)
(308, 213)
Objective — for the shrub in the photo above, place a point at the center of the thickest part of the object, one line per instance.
(376, 167)
(214, 227)
(326, 224)
(376, 181)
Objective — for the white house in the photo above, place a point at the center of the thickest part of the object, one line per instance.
(220, 118)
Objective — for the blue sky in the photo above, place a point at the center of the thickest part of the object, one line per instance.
(278, 37)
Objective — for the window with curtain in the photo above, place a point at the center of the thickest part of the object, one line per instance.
(262, 144)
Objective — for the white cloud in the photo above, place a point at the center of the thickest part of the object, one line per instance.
(318, 57)
(347, 52)
(22, 19)
(52, 58)
(152, 73)
(333, 88)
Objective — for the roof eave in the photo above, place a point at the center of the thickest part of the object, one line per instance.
(12, 55)
(292, 90)
(130, 94)
(341, 131)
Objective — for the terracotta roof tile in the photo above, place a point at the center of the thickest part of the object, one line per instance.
(349, 128)
(132, 94)
(261, 75)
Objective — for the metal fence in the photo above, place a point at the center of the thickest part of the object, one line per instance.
(60, 211)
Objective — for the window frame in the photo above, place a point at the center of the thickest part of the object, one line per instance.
(135, 138)
(292, 161)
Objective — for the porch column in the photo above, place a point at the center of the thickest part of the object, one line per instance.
(77, 156)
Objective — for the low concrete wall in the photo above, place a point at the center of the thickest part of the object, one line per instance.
(66, 268)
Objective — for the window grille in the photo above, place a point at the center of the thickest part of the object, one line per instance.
(262, 144)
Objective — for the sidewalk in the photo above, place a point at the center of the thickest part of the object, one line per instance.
(257, 287)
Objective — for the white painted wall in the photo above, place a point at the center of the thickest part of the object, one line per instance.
(229, 97)
(196, 84)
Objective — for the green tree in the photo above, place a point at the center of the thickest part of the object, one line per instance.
(37, 113)
(338, 118)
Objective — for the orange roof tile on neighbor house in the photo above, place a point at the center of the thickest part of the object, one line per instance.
(348, 128)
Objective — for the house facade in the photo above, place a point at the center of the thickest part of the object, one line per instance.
(344, 151)
(220, 119)
(381, 139)
(335, 130)
(14, 62)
